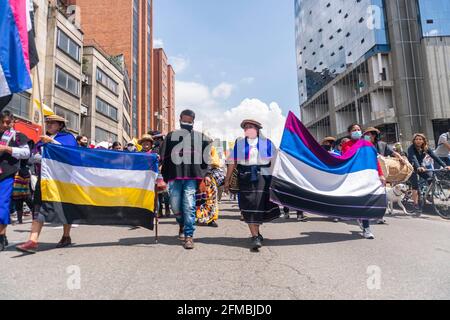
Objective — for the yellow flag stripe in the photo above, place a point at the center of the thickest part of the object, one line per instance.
(57, 191)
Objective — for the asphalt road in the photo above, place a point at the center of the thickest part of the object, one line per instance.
(318, 259)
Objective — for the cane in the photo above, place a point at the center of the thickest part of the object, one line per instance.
(156, 216)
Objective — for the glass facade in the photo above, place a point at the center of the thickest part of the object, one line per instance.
(435, 17)
(333, 34)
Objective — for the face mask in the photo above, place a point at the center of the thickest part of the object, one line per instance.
(326, 147)
(186, 126)
(130, 148)
(368, 138)
(356, 135)
(251, 133)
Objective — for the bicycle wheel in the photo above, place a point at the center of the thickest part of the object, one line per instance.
(441, 201)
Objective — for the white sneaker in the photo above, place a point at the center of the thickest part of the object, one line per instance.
(367, 233)
(285, 216)
(381, 221)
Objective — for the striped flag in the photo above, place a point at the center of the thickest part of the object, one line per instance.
(14, 47)
(306, 177)
(98, 187)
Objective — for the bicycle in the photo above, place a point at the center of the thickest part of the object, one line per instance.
(437, 193)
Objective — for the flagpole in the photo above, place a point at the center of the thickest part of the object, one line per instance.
(41, 102)
(156, 216)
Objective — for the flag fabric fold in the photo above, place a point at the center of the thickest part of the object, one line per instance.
(307, 177)
(98, 187)
(14, 47)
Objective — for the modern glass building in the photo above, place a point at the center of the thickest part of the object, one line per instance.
(435, 17)
(333, 34)
(380, 63)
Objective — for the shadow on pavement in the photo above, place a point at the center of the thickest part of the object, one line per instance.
(307, 238)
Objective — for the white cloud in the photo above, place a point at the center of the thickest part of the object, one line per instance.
(223, 91)
(158, 43)
(179, 63)
(193, 95)
(220, 122)
(248, 80)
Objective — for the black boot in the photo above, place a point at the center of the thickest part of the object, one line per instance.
(20, 217)
(3, 242)
(256, 243)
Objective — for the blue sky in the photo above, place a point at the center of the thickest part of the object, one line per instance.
(242, 48)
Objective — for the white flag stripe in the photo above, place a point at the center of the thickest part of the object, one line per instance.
(292, 170)
(98, 177)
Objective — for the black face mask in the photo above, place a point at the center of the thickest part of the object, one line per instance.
(326, 147)
(186, 126)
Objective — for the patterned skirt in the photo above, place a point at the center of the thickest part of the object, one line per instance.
(254, 198)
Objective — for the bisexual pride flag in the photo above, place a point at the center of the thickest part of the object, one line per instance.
(306, 177)
(98, 187)
(15, 47)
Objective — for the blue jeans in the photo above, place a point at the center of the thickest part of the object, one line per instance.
(182, 200)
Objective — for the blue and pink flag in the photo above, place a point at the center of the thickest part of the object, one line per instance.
(307, 177)
(14, 47)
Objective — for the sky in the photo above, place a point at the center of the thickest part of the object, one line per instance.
(233, 59)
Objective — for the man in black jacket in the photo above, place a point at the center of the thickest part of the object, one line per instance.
(185, 156)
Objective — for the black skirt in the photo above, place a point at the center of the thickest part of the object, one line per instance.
(254, 197)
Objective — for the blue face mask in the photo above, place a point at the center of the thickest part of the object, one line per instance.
(356, 135)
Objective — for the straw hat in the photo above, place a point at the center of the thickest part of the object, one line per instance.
(331, 139)
(372, 129)
(56, 118)
(145, 137)
(253, 122)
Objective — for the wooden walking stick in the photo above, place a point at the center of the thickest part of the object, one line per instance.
(156, 215)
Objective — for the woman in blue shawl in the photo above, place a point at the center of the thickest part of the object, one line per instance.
(56, 134)
(253, 157)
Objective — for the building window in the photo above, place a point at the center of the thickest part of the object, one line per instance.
(67, 45)
(126, 103)
(126, 126)
(20, 105)
(106, 109)
(71, 117)
(67, 82)
(107, 81)
(103, 135)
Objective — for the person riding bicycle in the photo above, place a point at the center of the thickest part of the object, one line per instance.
(416, 155)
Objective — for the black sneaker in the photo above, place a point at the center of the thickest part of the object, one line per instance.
(256, 243)
(213, 224)
(261, 237)
(3, 242)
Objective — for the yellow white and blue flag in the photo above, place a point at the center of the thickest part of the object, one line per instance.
(98, 187)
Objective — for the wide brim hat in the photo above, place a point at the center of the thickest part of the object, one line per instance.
(332, 139)
(145, 137)
(56, 118)
(253, 122)
(372, 129)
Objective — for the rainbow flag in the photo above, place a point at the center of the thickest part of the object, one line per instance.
(308, 178)
(98, 187)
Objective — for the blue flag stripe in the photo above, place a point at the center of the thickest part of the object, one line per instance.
(366, 157)
(104, 159)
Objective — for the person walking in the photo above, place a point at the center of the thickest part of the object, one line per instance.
(56, 134)
(253, 157)
(13, 148)
(356, 133)
(208, 198)
(184, 158)
(443, 148)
